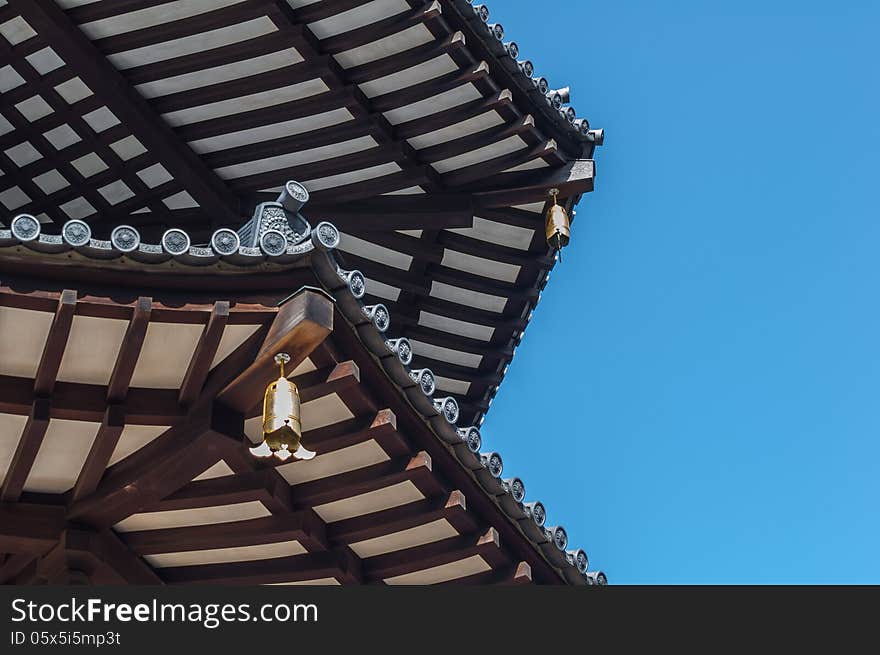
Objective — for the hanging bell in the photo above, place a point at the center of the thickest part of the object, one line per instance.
(282, 430)
(557, 227)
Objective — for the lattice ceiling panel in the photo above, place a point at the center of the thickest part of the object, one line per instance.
(63, 152)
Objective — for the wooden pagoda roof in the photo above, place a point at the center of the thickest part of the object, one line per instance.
(410, 123)
(123, 418)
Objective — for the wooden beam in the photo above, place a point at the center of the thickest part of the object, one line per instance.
(572, 179)
(316, 11)
(166, 464)
(325, 381)
(430, 88)
(477, 140)
(204, 59)
(156, 35)
(130, 351)
(299, 108)
(101, 451)
(203, 357)
(29, 528)
(520, 574)
(299, 568)
(300, 526)
(422, 284)
(14, 565)
(451, 507)
(409, 560)
(81, 555)
(56, 342)
(546, 150)
(243, 487)
(351, 219)
(381, 427)
(87, 13)
(267, 81)
(325, 136)
(383, 153)
(87, 402)
(26, 451)
(416, 470)
(302, 323)
(499, 102)
(400, 61)
(113, 553)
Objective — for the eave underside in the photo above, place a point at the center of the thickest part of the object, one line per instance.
(124, 461)
(126, 112)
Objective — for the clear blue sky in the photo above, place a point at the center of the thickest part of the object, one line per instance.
(696, 399)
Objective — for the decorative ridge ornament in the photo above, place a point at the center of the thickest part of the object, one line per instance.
(557, 227)
(282, 429)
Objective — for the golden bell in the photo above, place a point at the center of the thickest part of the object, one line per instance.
(557, 227)
(282, 429)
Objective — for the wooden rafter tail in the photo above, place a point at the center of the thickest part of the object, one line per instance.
(301, 324)
(445, 506)
(410, 560)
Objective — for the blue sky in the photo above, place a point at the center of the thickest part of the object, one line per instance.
(696, 399)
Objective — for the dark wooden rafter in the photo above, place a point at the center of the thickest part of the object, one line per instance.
(380, 29)
(416, 470)
(87, 402)
(477, 140)
(383, 153)
(56, 343)
(380, 427)
(546, 151)
(189, 449)
(246, 486)
(330, 564)
(446, 551)
(38, 417)
(519, 574)
(449, 507)
(129, 351)
(572, 179)
(15, 565)
(95, 557)
(401, 61)
(203, 357)
(422, 437)
(429, 89)
(500, 101)
(155, 35)
(299, 568)
(286, 18)
(107, 83)
(295, 73)
(303, 526)
(29, 528)
(100, 452)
